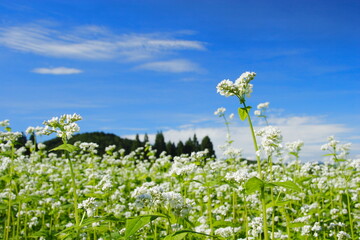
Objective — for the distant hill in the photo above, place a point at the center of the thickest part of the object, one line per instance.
(101, 138)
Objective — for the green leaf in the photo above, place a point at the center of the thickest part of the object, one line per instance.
(6, 154)
(340, 160)
(134, 224)
(253, 184)
(329, 154)
(66, 147)
(278, 203)
(242, 113)
(288, 185)
(176, 236)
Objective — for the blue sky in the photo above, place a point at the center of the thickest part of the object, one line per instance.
(144, 66)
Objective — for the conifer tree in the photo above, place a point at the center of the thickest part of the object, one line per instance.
(207, 144)
(160, 144)
(189, 146)
(179, 148)
(170, 149)
(137, 143)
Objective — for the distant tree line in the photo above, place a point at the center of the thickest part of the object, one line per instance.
(129, 145)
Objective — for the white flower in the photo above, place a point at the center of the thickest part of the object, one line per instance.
(9, 136)
(271, 139)
(90, 205)
(257, 112)
(64, 125)
(263, 105)
(5, 123)
(240, 88)
(220, 111)
(342, 235)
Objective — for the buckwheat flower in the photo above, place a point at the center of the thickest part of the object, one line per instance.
(89, 147)
(227, 232)
(342, 235)
(256, 226)
(271, 139)
(305, 230)
(5, 123)
(316, 227)
(41, 146)
(226, 88)
(263, 105)
(294, 147)
(9, 136)
(220, 111)
(257, 112)
(231, 116)
(64, 126)
(34, 130)
(240, 88)
(90, 205)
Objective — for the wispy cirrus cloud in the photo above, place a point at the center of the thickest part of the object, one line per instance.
(174, 66)
(92, 42)
(57, 71)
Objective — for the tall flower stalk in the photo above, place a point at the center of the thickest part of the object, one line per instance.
(65, 127)
(242, 88)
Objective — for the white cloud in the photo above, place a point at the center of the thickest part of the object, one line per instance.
(57, 71)
(312, 130)
(174, 66)
(92, 42)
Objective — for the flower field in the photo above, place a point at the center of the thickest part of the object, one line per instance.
(72, 192)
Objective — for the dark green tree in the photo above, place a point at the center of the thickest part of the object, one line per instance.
(146, 138)
(160, 144)
(171, 149)
(207, 144)
(196, 145)
(189, 146)
(137, 143)
(179, 148)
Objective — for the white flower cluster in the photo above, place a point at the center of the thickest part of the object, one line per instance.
(227, 232)
(261, 108)
(256, 226)
(343, 235)
(151, 195)
(240, 88)
(294, 147)
(88, 147)
(271, 139)
(239, 176)
(34, 130)
(90, 205)
(5, 123)
(64, 126)
(220, 111)
(340, 151)
(232, 152)
(9, 136)
(181, 167)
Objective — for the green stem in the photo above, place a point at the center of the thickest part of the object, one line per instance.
(349, 212)
(209, 208)
(254, 140)
(77, 221)
(263, 201)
